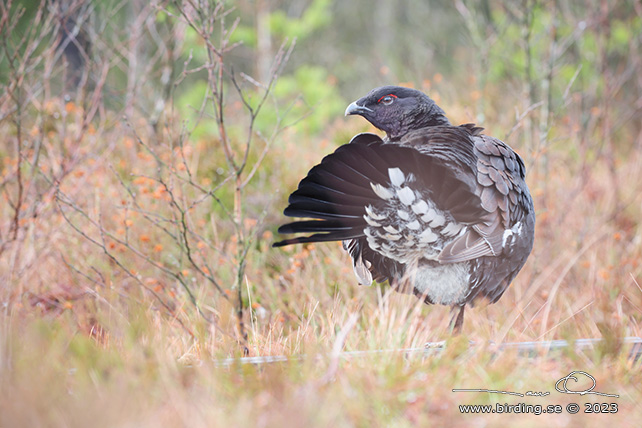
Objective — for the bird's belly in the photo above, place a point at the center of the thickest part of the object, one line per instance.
(444, 284)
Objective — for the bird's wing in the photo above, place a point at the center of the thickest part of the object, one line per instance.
(497, 174)
(504, 197)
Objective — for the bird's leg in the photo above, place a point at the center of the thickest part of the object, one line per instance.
(457, 321)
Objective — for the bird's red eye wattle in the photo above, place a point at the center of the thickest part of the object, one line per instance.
(387, 99)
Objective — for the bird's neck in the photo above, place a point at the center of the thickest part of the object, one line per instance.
(434, 117)
(414, 123)
(434, 120)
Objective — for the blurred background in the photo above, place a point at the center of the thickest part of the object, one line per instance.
(148, 149)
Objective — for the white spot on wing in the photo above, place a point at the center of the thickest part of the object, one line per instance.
(373, 243)
(420, 207)
(383, 192)
(390, 229)
(431, 214)
(370, 221)
(516, 229)
(406, 195)
(440, 220)
(396, 176)
(413, 225)
(452, 229)
(373, 215)
(403, 215)
(427, 236)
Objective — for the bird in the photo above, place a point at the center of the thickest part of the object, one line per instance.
(436, 210)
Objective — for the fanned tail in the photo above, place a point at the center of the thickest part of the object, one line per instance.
(336, 192)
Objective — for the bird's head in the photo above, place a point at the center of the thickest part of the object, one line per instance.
(398, 110)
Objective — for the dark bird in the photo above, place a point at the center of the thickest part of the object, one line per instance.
(437, 210)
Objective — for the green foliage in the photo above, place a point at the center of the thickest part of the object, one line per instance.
(246, 35)
(189, 103)
(309, 90)
(22, 14)
(194, 46)
(623, 32)
(316, 16)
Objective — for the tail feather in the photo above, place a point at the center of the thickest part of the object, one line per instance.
(336, 192)
(320, 226)
(363, 166)
(319, 237)
(336, 180)
(316, 191)
(375, 167)
(322, 209)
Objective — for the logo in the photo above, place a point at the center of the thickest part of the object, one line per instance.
(562, 386)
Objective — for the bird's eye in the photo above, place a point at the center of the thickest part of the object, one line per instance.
(387, 99)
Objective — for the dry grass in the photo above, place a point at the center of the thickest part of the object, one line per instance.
(76, 351)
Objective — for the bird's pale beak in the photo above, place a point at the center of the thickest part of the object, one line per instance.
(355, 108)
